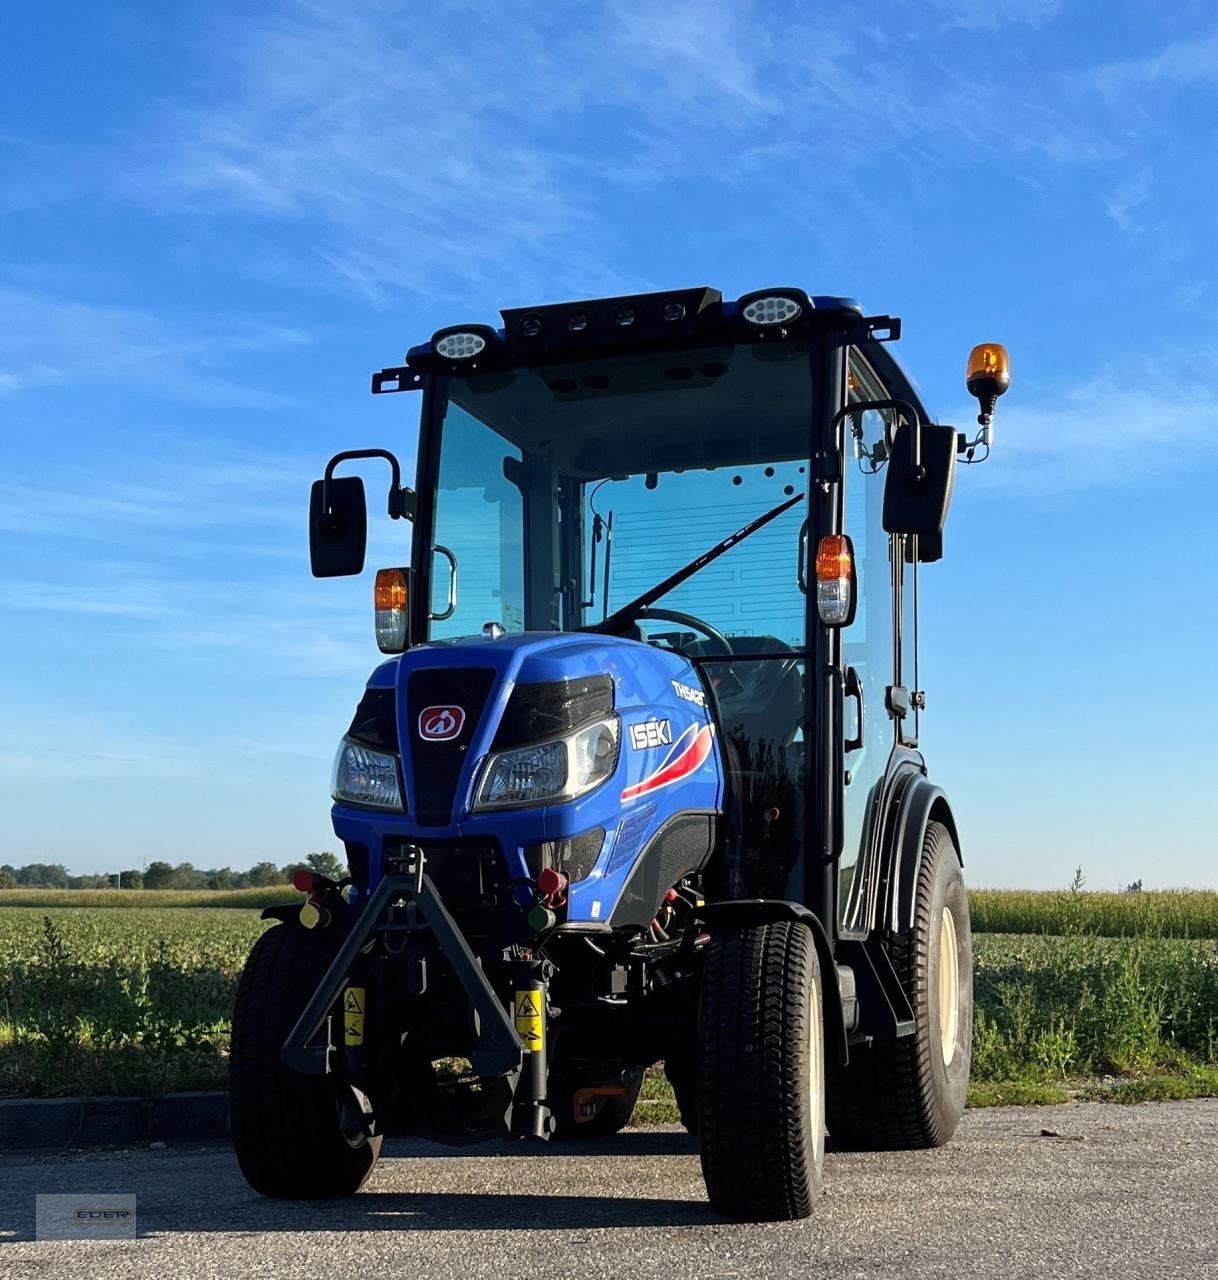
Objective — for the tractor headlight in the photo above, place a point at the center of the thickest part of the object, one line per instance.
(367, 777)
(551, 772)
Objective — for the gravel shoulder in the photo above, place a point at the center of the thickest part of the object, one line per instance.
(1077, 1190)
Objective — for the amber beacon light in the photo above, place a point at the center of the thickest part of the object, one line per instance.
(988, 375)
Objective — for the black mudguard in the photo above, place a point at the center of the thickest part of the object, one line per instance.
(917, 803)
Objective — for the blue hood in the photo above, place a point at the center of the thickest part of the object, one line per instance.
(458, 700)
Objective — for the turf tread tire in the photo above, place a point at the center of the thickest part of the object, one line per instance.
(284, 1124)
(897, 1096)
(760, 1159)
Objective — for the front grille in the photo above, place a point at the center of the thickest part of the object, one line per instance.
(437, 764)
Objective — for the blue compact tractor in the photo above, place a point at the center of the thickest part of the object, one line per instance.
(640, 782)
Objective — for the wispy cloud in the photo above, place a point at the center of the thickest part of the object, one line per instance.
(975, 15)
(1120, 429)
(184, 487)
(48, 339)
(1182, 62)
(512, 154)
(1130, 194)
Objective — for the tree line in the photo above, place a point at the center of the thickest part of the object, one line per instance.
(165, 875)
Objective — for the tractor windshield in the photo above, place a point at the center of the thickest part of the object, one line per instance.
(564, 492)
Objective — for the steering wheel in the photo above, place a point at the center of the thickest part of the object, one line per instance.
(688, 620)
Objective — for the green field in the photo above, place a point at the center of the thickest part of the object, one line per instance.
(136, 999)
(1182, 913)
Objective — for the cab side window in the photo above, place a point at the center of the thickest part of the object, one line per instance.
(868, 657)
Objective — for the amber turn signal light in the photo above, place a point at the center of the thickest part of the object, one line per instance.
(835, 580)
(391, 599)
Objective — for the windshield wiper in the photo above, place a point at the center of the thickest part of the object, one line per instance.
(622, 617)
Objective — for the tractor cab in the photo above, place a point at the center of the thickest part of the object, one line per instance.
(642, 767)
(584, 454)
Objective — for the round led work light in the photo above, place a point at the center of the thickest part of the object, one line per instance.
(772, 309)
(459, 344)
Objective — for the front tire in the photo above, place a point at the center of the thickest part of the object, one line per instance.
(910, 1093)
(285, 1125)
(761, 1073)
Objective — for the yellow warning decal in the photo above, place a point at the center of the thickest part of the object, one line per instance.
(530, 1021)
(354, 1003)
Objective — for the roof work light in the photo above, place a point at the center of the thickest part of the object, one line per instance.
(462, 342)
(767, 308)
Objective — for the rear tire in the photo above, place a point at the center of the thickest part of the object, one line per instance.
(910, 1093)
(285, 1125)
(761, 1073)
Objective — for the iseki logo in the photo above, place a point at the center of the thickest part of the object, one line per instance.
(650, 733)
(441, 724)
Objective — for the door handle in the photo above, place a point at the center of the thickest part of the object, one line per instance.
(801, 570)
(452, 584)
(852, 687)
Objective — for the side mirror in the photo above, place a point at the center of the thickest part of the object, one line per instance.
(338, 537)
(338, 517)
(918, 494)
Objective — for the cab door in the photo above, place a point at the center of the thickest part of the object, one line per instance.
(868, 647)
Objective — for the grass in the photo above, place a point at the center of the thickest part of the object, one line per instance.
(124, 1001)
(1093, 1017)
(136, 1000)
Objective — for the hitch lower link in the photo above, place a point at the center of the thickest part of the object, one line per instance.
(510, 1044)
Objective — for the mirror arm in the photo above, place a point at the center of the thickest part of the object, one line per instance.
(401, 500)
(907, 409)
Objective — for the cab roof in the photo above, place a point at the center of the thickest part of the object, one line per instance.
(604, 327)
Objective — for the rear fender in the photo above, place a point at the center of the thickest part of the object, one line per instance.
(919, 803)
(752, 911)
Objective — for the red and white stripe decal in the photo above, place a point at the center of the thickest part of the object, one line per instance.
(686, 756)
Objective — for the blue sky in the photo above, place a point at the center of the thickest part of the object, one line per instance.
(216, 219)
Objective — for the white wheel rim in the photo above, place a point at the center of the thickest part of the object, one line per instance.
(949, 987)
(816, 1074)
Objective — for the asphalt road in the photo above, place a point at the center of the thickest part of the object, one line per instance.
(1113, 1191)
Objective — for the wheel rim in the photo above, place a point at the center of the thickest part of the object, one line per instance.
(816, 1074)
(949, 987)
